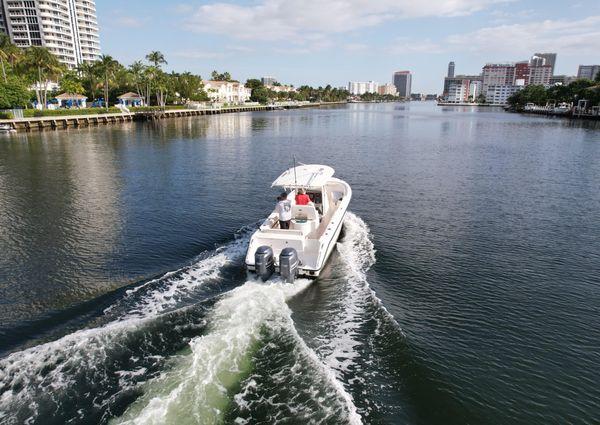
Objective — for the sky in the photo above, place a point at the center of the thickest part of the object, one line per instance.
(319, 42)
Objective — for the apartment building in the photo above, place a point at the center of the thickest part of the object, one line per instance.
(498, 74)
(68, 28)
(403, 82)
(499, 94)
(362, 87)
(231, 92)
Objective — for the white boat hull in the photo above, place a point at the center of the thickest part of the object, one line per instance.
(313, 236)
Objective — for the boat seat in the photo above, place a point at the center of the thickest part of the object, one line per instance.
(306, 212)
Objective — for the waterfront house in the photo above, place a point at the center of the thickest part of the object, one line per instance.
(131, 99)
(71, 100)
(281, 88)
(231, 92)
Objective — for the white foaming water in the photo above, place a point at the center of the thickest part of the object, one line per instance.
(186, 280)
(357, 252)
(198, 387)
(51, 367)
(339, 346)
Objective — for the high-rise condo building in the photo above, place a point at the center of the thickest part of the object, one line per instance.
(463, 89)
(68, 28)
(498, 74)
(450, 70)
(588, 71)
(387, 89)
(549, 59)
(522, 71)
(403, 82)
(362, 87)
(268, 81)
(540, 75)
(2, 19)
(458, 80)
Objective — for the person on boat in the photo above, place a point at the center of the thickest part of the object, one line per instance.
(284, 210)
(302, 198)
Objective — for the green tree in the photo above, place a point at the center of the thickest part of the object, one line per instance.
(226, 76)
(156, 58)
(188, 85)
(164, 84)
(9, 53)
(151, 74)
(259, 92)
(41, 66)
(89, 73)
(71, 83)
(107, 67)
(14, 93)
(136, 70)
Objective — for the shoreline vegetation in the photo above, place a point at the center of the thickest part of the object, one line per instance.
(31, 79)
(64, 121)
(579, 99)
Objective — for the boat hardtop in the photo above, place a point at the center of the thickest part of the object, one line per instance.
(305, 246)
(304, 176)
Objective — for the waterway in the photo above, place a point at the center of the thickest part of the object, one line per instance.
(465, 289)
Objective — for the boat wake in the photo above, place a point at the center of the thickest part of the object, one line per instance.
(356, 332)
(249, 320)
(200, 346)
(86, 375)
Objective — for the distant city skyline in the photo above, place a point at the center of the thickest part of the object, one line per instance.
(318, 43)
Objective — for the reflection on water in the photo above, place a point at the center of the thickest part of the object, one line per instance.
(484, 225)
(60, 213)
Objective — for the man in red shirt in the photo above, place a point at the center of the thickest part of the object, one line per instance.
(302, 198)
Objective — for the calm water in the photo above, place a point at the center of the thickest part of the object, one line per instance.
(465, 290)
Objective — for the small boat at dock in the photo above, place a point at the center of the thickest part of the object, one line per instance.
(303, 249)
(6, 128)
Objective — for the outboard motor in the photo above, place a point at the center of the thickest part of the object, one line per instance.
(288, 264)
(264, 262)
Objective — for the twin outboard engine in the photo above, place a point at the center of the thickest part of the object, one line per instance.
(265, 265)
(264, 262)
(288, 264)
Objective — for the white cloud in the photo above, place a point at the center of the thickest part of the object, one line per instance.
(562, 36)
(131, 22)
(198, 54)
(355, 47)
(294, 20)
(406, 45)
(232, 50)
(183, 8)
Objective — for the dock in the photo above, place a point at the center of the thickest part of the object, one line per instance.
(78, 121)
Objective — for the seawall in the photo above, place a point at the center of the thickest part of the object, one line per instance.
(75, 121)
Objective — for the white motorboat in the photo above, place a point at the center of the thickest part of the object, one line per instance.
(6, 128)
(303, 249)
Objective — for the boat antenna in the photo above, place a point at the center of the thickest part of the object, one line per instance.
(295, 179)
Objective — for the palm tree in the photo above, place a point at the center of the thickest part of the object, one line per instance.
(136, 70)
(107, 67)
(70, 83)
(151, 75)
(156, 58)
(8, 52)
(3, 57)
(90, 74)
(42, 66)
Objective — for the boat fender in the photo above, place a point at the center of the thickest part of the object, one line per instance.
(264, 262)
(288, 264)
